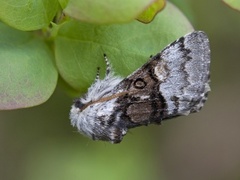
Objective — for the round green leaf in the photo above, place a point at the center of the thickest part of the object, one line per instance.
(186, 8)
(106, 11)
(80, 46)
(235, 4)
(28, 76)
(28, 14)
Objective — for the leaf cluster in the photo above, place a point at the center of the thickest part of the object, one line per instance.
(44, 42)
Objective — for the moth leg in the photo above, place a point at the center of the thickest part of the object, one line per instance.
(108, 69)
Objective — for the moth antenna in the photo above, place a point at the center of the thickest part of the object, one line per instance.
(108, 69)
(97, 75)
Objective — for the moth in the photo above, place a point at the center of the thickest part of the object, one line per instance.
(172, 83)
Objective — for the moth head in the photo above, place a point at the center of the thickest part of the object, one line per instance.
(97, 120)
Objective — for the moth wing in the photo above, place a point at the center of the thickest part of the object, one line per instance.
(188, 63)
(143, 103)
(174, 82)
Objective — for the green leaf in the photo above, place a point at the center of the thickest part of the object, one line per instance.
(235, 4)
(106, 11)
(28, 14)
(28, 76)
(80, 46)
(186, 7)
(147, 15)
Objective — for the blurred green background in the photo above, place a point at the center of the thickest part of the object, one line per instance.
(39, 143)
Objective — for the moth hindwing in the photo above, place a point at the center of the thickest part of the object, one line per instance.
(172, 83)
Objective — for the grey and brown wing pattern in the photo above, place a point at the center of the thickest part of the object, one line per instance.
(188, 63)
(174, 82)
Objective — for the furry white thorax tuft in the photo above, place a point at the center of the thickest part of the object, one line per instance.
(101, 88)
